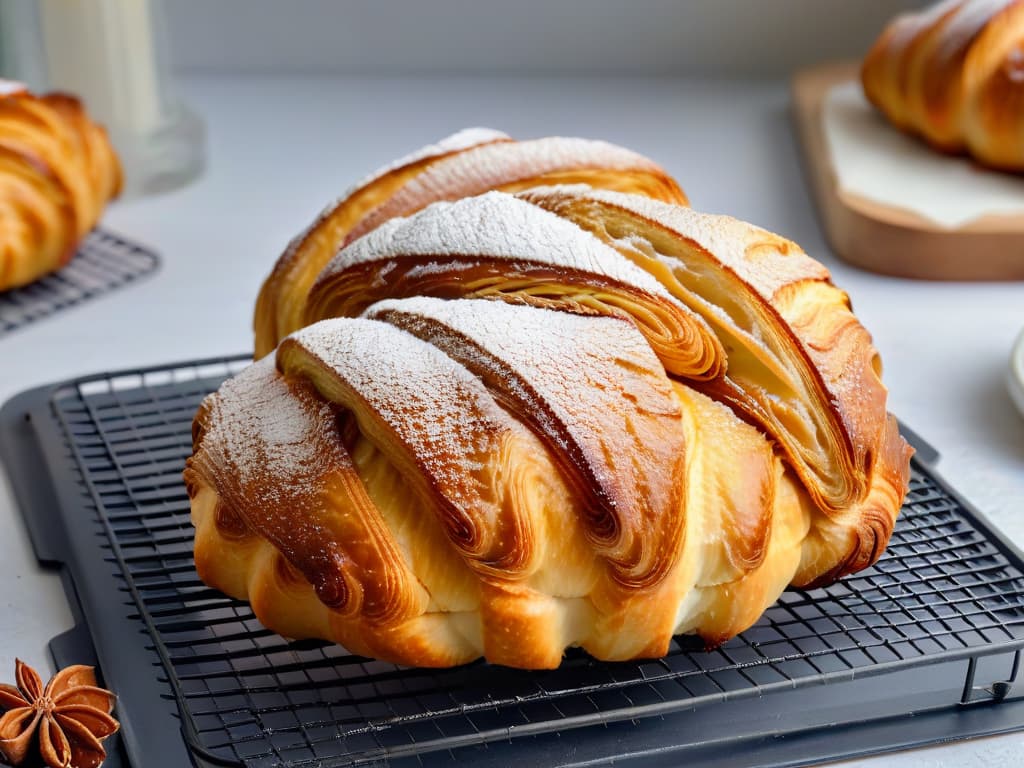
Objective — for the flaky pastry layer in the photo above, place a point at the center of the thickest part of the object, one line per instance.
(464, 164)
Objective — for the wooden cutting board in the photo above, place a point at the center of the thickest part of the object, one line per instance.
(892, 239)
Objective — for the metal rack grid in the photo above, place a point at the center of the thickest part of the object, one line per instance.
(104, 261)
(944, 590)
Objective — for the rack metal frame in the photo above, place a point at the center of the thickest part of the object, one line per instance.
(924, 646)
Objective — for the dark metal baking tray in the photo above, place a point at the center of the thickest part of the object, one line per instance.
(923, 647)
(104, 262)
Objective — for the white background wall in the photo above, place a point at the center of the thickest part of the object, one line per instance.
(718, 38)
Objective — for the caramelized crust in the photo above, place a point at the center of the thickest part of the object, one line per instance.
(841, 544)
(565, 417)
(322, 521)
(465, 164)
(526, 164)
(498, 247)
(954, 75)
(800, 365)
(615, 432)
(57, 172)
(432, 419)
(282, 295)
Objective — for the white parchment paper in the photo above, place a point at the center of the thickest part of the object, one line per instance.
(876, 161)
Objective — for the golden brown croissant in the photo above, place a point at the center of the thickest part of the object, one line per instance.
(568, 416)
(57, 172)
(954, 74)
(467, 163)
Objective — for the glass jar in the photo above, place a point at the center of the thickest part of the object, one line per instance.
(113, 56)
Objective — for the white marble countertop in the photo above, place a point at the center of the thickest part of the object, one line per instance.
(279, 150)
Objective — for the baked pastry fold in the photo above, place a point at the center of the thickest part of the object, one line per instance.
(467, 163)
(799, 364)
(620, 407)
(497, 246)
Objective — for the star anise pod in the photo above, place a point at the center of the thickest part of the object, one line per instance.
(71, 716)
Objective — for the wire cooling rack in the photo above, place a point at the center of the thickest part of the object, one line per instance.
(104, 262)
(924, 646)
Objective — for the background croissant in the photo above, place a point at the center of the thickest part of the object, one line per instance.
(57, 172)
(954, 74)
(515, 422)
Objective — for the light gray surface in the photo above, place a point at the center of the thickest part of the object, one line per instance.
(19, 41)
(280, 149)
(709, 38)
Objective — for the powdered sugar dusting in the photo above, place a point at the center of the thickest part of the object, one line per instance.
(263, 430)
(442, 416)
(763, 260)
(268, 447)
(499, 164)
(838, 398)
(591, 385)
(273, 452)
(457, 142)
(471, 137)
(494, 225)
(575, 358)
(404, 380)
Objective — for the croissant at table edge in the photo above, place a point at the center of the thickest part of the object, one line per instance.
(561, 416)
(57, 172)
(953, 74)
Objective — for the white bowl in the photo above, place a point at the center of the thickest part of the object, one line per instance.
(1016, 380)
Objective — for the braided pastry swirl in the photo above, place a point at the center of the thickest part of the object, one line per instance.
(57, 172)
(467, 163)
(954, 74)
(569, 415)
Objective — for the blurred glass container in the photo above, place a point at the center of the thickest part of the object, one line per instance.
(112, 54)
